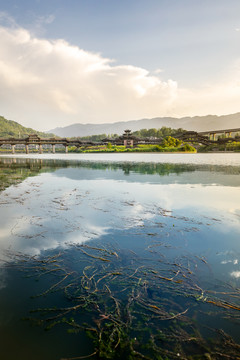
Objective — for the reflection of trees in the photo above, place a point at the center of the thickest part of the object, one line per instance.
(14, 170)
(151, 168)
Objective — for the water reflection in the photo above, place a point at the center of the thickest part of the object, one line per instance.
(186, 217)
(17, 169)
(69, 203)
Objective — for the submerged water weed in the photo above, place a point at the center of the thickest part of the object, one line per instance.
(132, 307)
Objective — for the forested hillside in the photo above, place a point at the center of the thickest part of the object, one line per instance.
(157, 133)
(9, 128)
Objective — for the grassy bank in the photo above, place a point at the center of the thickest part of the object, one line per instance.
(233, 147)
(140, 148)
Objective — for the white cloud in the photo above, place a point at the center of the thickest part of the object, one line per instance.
(235, 274)
(158, 71)
(44, 84)
(234, 262)
(52, 80)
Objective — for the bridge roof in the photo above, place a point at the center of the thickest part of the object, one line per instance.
(218, 131)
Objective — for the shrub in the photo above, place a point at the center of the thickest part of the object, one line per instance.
(170, 141)
(187, 147)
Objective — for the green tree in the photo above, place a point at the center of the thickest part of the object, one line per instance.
(170, 141)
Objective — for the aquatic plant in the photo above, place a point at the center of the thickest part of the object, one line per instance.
(132, 307)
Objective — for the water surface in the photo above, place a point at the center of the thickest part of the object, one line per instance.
(120, 259)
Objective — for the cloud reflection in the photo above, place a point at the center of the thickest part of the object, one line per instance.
(235, 274)
(67, 210)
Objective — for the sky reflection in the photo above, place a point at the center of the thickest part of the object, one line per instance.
(176, 222)
(77, 205)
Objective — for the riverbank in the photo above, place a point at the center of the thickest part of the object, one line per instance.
(232, 159)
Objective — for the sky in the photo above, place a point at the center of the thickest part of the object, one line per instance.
(103, 61)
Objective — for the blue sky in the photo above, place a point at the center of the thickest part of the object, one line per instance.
(150, 58)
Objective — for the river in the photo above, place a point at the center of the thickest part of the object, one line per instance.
(120, 256)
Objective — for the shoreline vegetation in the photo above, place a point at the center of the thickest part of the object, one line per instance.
(163, 140)
(186, 148)
(109, 148)
(141, 148)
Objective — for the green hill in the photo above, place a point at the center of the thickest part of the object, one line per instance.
(9, 128)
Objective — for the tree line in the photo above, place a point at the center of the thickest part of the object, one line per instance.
(143, 133)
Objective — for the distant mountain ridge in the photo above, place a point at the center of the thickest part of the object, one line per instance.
(196, 123)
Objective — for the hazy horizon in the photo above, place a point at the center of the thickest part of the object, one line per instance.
(103, 62)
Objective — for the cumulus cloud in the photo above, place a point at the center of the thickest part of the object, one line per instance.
(49, 83)
(55, 83)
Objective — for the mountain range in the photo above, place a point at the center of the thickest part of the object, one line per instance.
(9, 128)
(196, 123)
